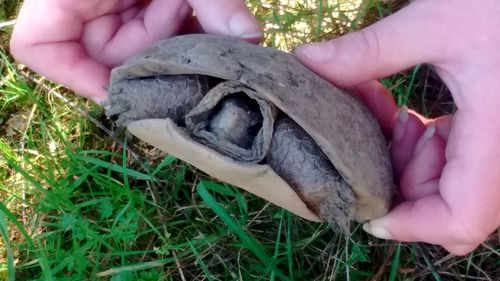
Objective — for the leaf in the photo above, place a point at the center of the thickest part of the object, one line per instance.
(68, 221)
(106, 208)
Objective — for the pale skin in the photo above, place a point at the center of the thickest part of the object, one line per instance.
(76, 43)
(446, 168)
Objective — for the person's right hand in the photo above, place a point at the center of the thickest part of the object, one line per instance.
(448, 169)
(76, 42)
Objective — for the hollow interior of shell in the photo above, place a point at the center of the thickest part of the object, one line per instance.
(235, 121)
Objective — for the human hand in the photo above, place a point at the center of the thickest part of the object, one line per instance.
(447, 168)
(76, 43)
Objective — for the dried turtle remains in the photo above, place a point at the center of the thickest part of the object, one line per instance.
(256, 118)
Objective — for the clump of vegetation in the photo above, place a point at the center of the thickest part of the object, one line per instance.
(79, 204)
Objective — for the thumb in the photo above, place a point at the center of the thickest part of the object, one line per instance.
(227, 17)
(407, 38)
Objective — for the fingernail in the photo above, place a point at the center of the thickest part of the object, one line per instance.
(403, 114)
(244, 26)
(400, 127)
(377, 231)
(428, 134)
(315, 52)
(99, 100)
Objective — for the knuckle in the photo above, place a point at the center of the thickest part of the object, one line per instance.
(355, 50)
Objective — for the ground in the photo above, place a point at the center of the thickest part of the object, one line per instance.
(79, 202)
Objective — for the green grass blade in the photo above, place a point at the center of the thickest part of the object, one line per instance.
(135, 267)
(395, 264)
(435, 274)
(410, 88)
(18, 224)
(219, 188)
(124, 165)
(114, 167)
(289, 250)
(320, 19)
(200, 262)
(164, 163)
(254, 246)
(10, 157)
(43, 260)
(4, 231)
(277, 244)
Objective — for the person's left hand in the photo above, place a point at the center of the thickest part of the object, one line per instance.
(75, 43)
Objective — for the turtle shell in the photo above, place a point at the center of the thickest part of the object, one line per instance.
(342, 127)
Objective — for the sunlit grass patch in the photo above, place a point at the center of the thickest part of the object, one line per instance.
(289, 23)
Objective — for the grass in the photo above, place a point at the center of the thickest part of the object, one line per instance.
(77, 205)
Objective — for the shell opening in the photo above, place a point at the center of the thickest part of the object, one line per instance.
(237, 119)
(234, 121)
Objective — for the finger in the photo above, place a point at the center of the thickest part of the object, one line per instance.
(428, 219)
(90, 8)
(436, 227)
(73, 65)
(52, 51)
(421, 175)
(466, 209)
(227, 17)
(408, 129)
(380, 102)
(393, 44)
(191, 26)
(460, 249)
(443, 126)
(114, 38)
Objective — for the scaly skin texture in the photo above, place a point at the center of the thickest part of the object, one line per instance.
(157, 97)
(298, 159)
